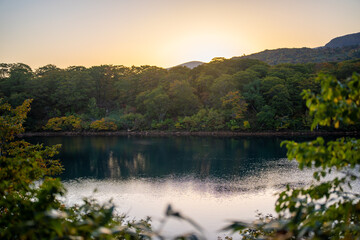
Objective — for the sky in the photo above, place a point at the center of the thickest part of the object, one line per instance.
(164, 32)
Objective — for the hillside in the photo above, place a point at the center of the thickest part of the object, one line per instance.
(191, 65)
(347, 40)
(306, 55)
(338, 49)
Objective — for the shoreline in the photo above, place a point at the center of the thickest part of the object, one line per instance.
(188, 133)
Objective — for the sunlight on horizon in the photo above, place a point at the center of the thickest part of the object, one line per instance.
(204, 47)
(164, 33)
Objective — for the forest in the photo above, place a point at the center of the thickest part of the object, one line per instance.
(224, 94)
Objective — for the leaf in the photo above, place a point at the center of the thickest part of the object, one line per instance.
(237, 226)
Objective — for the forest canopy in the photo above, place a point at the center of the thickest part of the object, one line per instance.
(224, 94)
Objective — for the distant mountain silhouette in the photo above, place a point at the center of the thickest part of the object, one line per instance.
(191, 65)
(343, 41)
(339, 49)
(306, 55)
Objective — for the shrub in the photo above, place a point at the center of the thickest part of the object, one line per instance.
(167, 124)
(203, 120)
(246, 125)
(233, 125)
(103, 125)
(132, 121)
(66, 123)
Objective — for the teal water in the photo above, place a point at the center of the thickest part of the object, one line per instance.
(158, 157)
(209, 179)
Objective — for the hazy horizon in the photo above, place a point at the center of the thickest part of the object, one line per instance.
(164, 33)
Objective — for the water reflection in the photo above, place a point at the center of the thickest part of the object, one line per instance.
(133, 157)
(210, 201)
(210, 179)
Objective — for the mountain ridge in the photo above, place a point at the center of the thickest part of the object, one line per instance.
(346, 47)
(342, 48)
(191, 64)
(343, 41)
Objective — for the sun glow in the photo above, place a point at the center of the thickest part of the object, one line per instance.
(205, 46)
(164, 33)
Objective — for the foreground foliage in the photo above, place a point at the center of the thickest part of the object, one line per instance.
(329, 208)
(29, 205)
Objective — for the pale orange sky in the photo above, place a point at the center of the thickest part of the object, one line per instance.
(164, 33)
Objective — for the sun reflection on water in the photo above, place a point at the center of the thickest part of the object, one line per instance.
(209, 201)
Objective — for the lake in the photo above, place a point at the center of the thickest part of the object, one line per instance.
(210, 179)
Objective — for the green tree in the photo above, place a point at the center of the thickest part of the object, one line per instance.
(183, 100)
(93, 112)
(128, 87)
(105, 78)
(253, 96)
(268, 82)
(202, 85)
(204, 119)
(295, 84)
(76, 86)
(261, 69)
(281, 71)
(155, 103)
(177, 73)
(14, 86)
(279, 99)
(44, 89)
(222, 86)
(235, 103)
(244, 77)
(266, 117)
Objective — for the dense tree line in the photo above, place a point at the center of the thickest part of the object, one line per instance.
(225, 94)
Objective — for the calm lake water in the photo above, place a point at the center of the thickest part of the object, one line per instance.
(210, 179)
